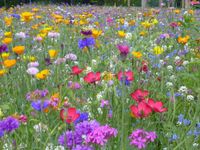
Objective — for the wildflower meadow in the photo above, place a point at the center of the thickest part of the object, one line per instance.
(99, 78)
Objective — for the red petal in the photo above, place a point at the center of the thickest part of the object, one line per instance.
(129, 75)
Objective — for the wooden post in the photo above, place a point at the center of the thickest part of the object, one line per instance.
(187, 4)
(183, 4)
(160, 3)
(143, 3)
(129, 3)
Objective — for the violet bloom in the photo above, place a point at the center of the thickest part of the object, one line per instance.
(104, 103)
(101, 135)
(140, 138)
(71, 56)
(32, 71)
(40, 105)
(83, 147)
(123, 49)
(3, 48)
(86, 32)
(8, 125)
(33, 64)
(86, 42)
(70, 139)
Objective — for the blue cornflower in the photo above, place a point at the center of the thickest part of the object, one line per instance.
(86, 42)
(198, 125)
(119, 92)
(83, 117)
(174, 137)
(8, 125)
(180, 118)
(40, 105)
(17, 16)
(186, 122)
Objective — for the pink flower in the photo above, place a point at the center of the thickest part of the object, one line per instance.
(128, 75)
(76, 70)
(92, 77)
(156, 106)
(124, 49)
(139, 95)
(142, 110)
(32, 70)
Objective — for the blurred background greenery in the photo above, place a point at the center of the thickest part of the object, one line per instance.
(152, 3)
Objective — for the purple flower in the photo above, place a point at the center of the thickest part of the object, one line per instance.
(83, 147)
(3, 48)
(70, 139)
(40, 105)
(140, 138)
(123, 49)
(87, 32)
(71, 56)
(104, 103)
(8, 125)
(32, 70)
(101, 135)
(83, 117)
(86, 42)
(17, 16)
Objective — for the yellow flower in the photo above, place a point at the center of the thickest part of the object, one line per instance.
(35, 10)
(8, 34)
(121, 34)
(96, 23)
(8, 21)
(158, 50)
(121, 21)
(96, 33)
(137, 54)
(18, 50)
(32, 58)
(27, 16)
(38, 17)
(131, 23)
(8, 63)
(146, 24)
(42, 74)
(108, 76)
(191, 12)
(66, 21)
(143, 33)
(53, 53)
(2, 72)
(6, 41)
(183, 40)
(5, 55)
(154, 21)
(177, 11)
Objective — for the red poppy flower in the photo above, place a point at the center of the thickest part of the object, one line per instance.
(92, 77)
(139, 95)
(69, 115)
(76, 70)
(128, 75)
(156, 106)
(141, 111)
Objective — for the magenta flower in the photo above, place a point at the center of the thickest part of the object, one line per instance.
(104, 103)
(101, 135)
(123, 49)
(140, 138)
